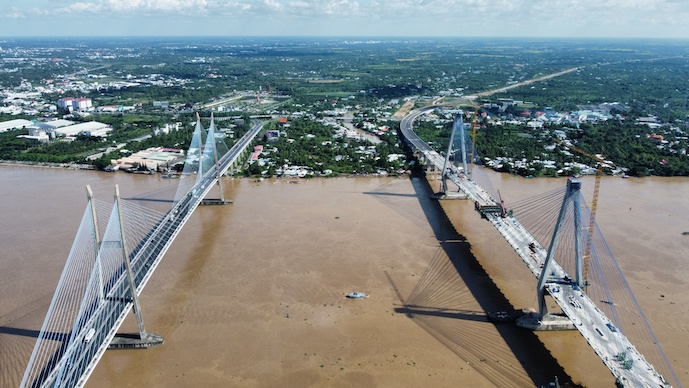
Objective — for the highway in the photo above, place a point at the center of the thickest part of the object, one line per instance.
(617, 353)
(222, 101)
(76, 358)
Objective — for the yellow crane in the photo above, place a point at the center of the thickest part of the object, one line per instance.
(594, 201)
(474, 127)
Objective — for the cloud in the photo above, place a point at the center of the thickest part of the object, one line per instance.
(133, 6)
(273, 5)
(11, 13)
(296, 8)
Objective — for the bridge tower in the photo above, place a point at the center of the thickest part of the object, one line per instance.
(457, 126)
(146, 339)
(447, 157)
(572, 198)
(205, 151)
(211, 147)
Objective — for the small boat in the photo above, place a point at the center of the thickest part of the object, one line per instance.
(357, 295)
(685, 233)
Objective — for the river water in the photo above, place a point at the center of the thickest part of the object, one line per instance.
(251, 294)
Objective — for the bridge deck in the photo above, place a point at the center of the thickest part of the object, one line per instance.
(612, 346)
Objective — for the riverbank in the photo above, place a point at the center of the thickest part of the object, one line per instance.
(71, 166)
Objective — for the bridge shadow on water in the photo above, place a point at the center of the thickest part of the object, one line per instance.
(450, 302)
(142, 199)
(32, 333)
(390, 194)
(11, 370)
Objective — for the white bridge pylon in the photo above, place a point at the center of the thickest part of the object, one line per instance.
(573, 198)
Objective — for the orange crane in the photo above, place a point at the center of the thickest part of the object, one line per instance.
(594, 202)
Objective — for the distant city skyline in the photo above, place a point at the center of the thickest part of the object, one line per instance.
(498, 18)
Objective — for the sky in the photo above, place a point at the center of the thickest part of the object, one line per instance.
(457, 18)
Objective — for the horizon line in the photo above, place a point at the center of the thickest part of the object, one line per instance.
(386, 37)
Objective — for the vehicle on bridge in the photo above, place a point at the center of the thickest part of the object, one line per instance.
(89, 335)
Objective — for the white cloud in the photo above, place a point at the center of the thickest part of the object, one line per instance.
(129, 6)
(273, 5)
(82, 7)
(11, 13)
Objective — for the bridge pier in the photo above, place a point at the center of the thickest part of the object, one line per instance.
(135, 341)
(215, 201)
(549, 322)
(450, 195)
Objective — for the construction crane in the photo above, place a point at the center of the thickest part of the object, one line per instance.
(474, 127)
(594, 202)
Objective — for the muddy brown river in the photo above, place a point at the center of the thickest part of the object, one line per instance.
(252, 294)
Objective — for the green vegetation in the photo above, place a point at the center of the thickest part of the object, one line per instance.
(625, 143)
(13, 148)
(313, 145)
(367, 80)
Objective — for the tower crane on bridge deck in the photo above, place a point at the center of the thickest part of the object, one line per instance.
(594, 202)
(474, 127)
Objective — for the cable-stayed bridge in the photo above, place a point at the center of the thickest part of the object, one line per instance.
(111, 262)
(572, 263)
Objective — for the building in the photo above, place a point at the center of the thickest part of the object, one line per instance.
(91, 128)
(152, 158)
(65, 103)
(36, 134)
(82, 104)
(55, 124)
(73, 103)
(257, 152)
(14, 124)
(109, 109)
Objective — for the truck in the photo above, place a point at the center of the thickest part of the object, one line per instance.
(89, 335)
